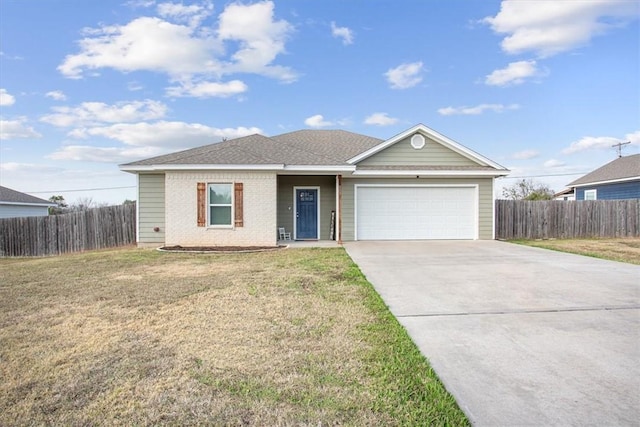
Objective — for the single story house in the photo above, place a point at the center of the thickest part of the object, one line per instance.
(317, 185)
(14, 204)
(566, 194)
(619, 179)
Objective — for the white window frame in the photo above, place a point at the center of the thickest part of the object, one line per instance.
(210, 205)
(593, 192)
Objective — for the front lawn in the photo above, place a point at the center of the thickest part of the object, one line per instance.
(139, 337)
(623, 250)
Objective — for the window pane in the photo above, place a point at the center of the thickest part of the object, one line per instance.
(220, 215)
(220, 194)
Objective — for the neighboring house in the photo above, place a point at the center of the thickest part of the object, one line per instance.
(14, 204)
(417, 185)
(619, 179)
(567, 194)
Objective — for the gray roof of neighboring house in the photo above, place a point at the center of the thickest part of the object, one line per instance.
(621, 168)
(303, 147)
(13, 196)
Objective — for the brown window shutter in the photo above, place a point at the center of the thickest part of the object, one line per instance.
(202, 204)
(237, 188)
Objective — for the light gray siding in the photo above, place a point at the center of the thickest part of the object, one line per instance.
(485, 202)
(403, 154)
(151, 208)
(19, 211)
(327, 186)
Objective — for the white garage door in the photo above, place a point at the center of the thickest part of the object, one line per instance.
(415, 213)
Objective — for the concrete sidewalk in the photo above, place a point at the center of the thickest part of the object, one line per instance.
(519, 335)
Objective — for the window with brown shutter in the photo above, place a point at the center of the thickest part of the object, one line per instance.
(238, 214)
(202, 204)
(219, 214)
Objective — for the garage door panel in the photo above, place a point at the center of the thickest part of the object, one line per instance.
(415, 213)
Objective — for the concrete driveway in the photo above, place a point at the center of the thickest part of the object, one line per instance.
(519, 335)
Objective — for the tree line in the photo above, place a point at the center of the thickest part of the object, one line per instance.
(528, 189)
(80, 205)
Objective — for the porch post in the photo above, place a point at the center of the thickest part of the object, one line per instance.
(339, 210)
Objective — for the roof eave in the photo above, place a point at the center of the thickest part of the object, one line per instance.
(433, 173)
(43, 205)
(609, 181)
(320, 168)
(174, 167)
(271, 167)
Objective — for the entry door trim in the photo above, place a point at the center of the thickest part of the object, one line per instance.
(295, 210)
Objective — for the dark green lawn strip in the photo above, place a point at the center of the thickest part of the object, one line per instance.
(405, 385)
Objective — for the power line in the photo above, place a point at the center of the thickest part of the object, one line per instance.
(542, 176)
(82, 189)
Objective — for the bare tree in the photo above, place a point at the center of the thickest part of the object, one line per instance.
(528, 189)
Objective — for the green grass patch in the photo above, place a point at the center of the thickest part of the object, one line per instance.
(622, 250)
(139, 337)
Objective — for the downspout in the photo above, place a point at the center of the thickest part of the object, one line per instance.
(138, 209)
(339, 210)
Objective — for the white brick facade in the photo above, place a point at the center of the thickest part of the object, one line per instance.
(259, 213)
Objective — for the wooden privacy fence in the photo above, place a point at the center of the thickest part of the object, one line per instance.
(72, 232)
(521, 219)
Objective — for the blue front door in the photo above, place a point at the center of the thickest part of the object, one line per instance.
(306, 213)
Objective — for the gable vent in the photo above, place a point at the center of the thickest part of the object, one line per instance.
(417, 141)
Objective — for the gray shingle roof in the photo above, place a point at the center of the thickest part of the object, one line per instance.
(304, 147)
(620, 168)
(13, 196)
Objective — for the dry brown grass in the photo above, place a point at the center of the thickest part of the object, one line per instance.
(137, 337)
(623, 250)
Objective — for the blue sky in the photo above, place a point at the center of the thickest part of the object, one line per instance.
(541, 87)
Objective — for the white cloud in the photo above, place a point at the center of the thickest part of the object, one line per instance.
(525, 154)
(43, 180)
(179, 44)
(14, 129)
(6, 98)
(342, 32)
(550, 27)
(139, 3)
(516, 73)
(58, 95)
(553, 163)
(317, 121)
(261, 39)
(192, 14)
(134, 86)
(404, 76)
(478, 109)
(11, 57)
(88, 153)
(163, 134)
(90, 113)
(380, 119)
(15, 167)
(146, 43)
(601, 142)
(633, 138)
(208, 89)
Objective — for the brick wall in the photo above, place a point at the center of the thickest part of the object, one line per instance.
(259, 196)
